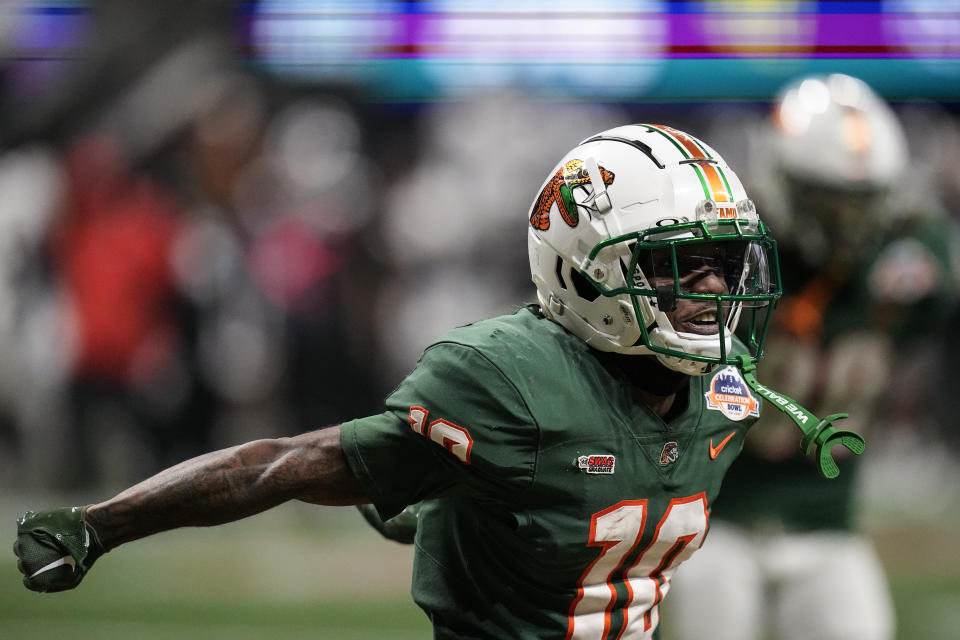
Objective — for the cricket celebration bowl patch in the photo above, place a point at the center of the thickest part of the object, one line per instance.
(730, 395)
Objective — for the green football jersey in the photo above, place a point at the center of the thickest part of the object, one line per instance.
(556, 504)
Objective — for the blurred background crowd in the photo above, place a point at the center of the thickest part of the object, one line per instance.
(222, 220)
(197, 252)
(219, 222)
(200, 246)
(228, 220)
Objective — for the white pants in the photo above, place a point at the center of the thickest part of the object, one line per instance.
(800, 586)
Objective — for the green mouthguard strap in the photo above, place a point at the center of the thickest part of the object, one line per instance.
(815, 431)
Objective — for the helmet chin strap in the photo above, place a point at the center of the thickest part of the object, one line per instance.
(685, 366)
(708, 346)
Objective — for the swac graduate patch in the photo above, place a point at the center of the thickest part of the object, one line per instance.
(730, 395)
(597, 463)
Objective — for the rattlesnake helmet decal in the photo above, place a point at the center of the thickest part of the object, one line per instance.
(560, 190)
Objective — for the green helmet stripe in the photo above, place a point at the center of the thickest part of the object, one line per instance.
(701, 146)
(703, 181)
(670, 138)
(726, 183)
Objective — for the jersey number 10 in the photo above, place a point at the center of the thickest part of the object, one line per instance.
(614, 584)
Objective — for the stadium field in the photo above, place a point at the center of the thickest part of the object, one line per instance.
(924, 568)
(296, 572)
(302, 572)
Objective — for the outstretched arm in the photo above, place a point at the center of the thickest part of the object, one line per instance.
(228, 485)
(56, 548)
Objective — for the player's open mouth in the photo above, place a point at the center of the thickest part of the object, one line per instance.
(704, 323)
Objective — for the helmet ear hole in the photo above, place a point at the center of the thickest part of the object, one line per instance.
(559, 268)
(584, 289)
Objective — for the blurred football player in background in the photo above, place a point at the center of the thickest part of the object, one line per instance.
(866, 277)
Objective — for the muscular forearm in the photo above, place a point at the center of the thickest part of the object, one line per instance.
(230, 484)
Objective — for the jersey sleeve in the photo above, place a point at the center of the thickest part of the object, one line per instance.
(456, 426)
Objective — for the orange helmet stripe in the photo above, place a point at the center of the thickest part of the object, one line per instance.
(688, 147)
(719, 194)
(715, 184)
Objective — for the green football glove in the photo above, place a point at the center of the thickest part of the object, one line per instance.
(55, 548)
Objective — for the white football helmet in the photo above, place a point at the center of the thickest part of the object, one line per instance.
(841, 151)
(647, 201)
(835, 130)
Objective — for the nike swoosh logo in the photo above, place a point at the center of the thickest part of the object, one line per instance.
(715, 451)
(65, 560)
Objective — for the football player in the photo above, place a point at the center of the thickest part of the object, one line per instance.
(566, 456)
(861, 275)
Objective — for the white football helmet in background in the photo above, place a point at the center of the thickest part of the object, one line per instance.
(640, 202)
(835, 130)
(840, 151)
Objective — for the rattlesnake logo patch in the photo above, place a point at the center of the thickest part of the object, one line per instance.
(670, 453)
(560, 190)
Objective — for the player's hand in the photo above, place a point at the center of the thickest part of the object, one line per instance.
(55, 548)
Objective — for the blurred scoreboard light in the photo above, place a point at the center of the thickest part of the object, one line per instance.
(40, 40)
(747, 46)
(748, 29)
(608, 49)
(924, 28)
(438, 47)
(929, 32)
(335, 40)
